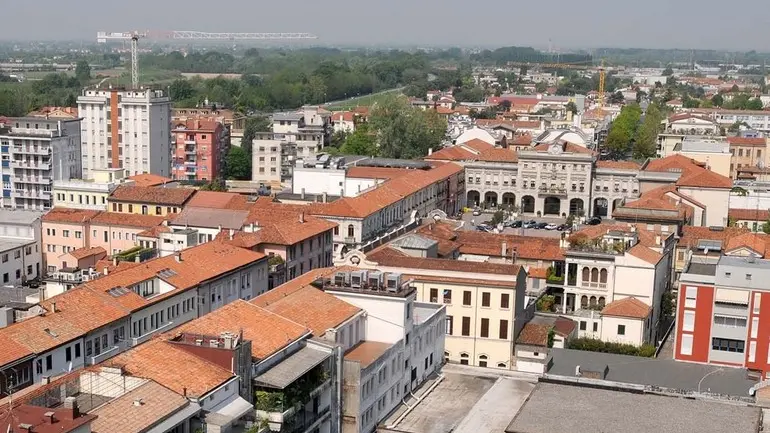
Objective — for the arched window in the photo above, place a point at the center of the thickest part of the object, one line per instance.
(601, 301)
(593, 301)
(482, 360)
(501, 365)
(586, 273)
(603, 276)
(594, 275)
(351, 231)
(464, 358)
(583, 301)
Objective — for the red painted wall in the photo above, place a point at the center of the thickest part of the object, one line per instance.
(763, 334)
(704, 309)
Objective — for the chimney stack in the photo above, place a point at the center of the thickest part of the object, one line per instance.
(302, 217)
(41, 293)
(114, 261)
(71, 404)
(178, 256)
(49, 417)
(302, 194)
(430, 151)
(504, 249)
(106, 271)
(325, 197)
(53, 307)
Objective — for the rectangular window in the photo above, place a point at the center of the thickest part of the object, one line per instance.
(467, 298)
(754, 326)
(583, 325)
(691, 294)
(466, 331)
(726, 345)
(505, 300)
(621, 329)
(686, 345)
(757, 301)
(752, 351)
(503, 329)
(485, 299)
(447, 296)
(485, 328)
(448, 325)
(433, 295)
(595, 327)
(689, 321)
(48, 362)
(68, 354)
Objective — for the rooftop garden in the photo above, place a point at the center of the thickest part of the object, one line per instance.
(581, 242)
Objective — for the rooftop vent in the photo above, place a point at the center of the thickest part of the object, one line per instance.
(357, 279)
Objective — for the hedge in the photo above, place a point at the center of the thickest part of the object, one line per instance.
(595, 345)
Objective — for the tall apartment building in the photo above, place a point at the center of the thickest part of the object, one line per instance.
(199, 149)
(296, 136)
(36, 152)
(128, 129)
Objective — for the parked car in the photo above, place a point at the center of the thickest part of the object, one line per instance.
(529, 224)
(595, 221)
(484, 228)
(562, 227)
(476, 212)
(551, 226)
(541, 226)
(515, 224)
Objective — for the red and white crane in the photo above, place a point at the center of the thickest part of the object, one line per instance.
(104, 37)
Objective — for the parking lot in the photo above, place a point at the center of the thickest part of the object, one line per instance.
(472, 221)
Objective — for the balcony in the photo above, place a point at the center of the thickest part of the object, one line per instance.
(190, 142)
(350, 240)
(552, 191)
(141, 339)
(107, 354)
(190, 150)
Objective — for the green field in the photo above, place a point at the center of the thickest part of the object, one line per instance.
(365, 100)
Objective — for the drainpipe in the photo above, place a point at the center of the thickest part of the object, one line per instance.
(338, 386)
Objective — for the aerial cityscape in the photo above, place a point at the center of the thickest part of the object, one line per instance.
(357, 219)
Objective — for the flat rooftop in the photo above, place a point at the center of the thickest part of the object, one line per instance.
(562, 408)
(665, 373)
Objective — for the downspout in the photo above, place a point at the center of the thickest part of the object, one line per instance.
(338, 387)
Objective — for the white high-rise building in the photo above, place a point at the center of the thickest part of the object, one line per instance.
(128, 129)
(37, 151)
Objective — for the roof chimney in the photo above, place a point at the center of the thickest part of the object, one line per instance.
(49, 417)
(178, 256)
(106, 271)
(53, 307)
(504, 249)
(430, 151)
(302, 194)
(138, 402)
(71, 404)
(24, 427)
(325, 197)
(114, 261)
(302, 217)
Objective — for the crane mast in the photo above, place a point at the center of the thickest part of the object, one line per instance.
(104, 37)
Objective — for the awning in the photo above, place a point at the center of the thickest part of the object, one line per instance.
(292, 368)
(175, 419)
(228, 411)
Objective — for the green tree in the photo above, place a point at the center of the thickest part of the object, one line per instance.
(403, 131)
(646, 143)
(571, 107)
(360, 142)
(181, 89)
(497, 218)
(689, 102)
(668, 71)
(237, 164)
(541, 87)
(253, 125)
(214, 185)
(766, 227)
(754, 104)
(623, 130)
(83, 71)
(717, 100)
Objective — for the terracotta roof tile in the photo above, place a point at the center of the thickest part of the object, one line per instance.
(705, 179)
(627, 307)
(12, 351)
(67, 215)
(82, 253)
(534, 334)
(564, 326)
(122, 415)
(758, 242)
(375, 172)
(749, 214)
(747, 141)
(453, 153)
(269, 332)
(385, 258)
(618, 165)
(127, 220)
(691, 235)
(218, 200)
(154, 232)
(641, 252)
(367, 352)
(148, 179)
(540, 273)
(172, 367)
(152, 195)
(477, 145)
(302, 303)
(498, 154)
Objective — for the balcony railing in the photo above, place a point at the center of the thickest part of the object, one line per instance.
(141, 339)
(593, 285)
(552, 191)
(106, 354)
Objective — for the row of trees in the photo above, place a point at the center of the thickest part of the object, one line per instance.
(18, 99)
(623, 130)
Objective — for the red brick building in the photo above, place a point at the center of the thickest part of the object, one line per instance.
(198, 150)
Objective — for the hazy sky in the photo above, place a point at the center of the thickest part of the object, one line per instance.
(738, 25)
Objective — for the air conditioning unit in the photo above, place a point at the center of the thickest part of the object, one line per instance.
(374, 280)
(393, 282)
(357, 279)
(199, 342)
(214, 343)
(341, 279)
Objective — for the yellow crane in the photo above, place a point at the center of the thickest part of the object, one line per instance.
(602, 73)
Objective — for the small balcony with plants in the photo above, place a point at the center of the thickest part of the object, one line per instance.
(292, 398)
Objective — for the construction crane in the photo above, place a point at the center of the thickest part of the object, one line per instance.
(104, 37)
(602, 73)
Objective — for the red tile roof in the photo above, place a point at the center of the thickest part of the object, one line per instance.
(749, 214)
(67, 215)
(534, 334)
(82, 253)
(384, 257)
(375, 172)
(627, 307)
(452, 153)
(35, 417)
(618, 165)
(757, 242)
(152, 195)
(366, 352)
(269, 332)
(12, 351)
(641, 252)
(171, 366)
(477, 144)
(498, 155)
(693, 173)
(219, 200)
(148, 179)
(747, 141)
(692, 234)
(127, 220)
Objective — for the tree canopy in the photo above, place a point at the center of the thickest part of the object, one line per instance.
(623, 130)
(646, 142)
(360, 142)
(237, 164)
(404, 131)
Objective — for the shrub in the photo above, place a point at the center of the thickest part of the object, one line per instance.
(545, 303)
(596, 345)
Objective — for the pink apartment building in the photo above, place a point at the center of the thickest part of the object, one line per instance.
(198, 151)
(68, 230)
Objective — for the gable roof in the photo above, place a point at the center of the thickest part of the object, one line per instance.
(747, 141)
(152, 195)
(692, 234)
(627, 307)
(643, 253)
(388, 256)
(12, 351)
(128, 220)
(148, 179)
(172, 367)
(749, 214)
(82, 253)
(122, 415)
(268, 332)
(759, 243)
(67, 215)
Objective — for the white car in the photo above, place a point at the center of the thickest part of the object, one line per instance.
(476, 212)
(551, 226)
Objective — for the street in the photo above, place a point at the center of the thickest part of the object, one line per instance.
(469, 219)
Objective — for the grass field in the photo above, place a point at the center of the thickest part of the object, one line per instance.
(365, 100)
